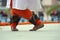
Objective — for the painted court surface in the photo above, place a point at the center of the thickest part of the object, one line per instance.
(48, 32)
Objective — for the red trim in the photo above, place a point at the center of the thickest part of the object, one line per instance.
(23, 23)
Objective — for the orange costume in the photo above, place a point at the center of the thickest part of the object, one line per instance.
(27, 14)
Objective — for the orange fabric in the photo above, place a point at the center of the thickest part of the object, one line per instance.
(10, 3)
(13, 25)
(27, 14)
(22, 13)
(38, 22)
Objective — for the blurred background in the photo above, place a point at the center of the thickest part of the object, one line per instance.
(49, 11)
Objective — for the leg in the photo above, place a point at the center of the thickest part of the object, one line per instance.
(21, 13)
(14, 21)
(37, 22)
